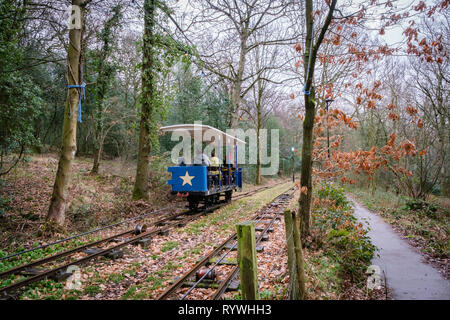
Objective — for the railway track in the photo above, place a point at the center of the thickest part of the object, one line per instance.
(197, 276)
(140, 217)
(125, 238)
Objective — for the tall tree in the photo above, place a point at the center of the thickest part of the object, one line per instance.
(263, 95)
(56, 211)
(224, 53)
(105, 72)
(140, 190)
(433, 85)
(310, 56)
(159, 52)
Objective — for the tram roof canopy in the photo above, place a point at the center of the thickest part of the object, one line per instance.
(191, 128)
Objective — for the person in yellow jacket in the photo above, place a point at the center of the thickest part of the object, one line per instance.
(214, 162)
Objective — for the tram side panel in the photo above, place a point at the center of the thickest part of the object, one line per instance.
(188, 179)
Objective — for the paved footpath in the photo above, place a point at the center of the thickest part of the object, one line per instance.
(406, 274)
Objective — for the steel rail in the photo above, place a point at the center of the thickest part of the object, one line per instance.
(197, 266)
(107, 227)
(226, 282)
(51, 272)
(60, 255)
(80, 248)
(213, 253)
(216, 264)
(190, 273)
(82, 234)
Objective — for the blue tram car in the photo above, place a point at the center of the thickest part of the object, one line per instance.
(199, 181)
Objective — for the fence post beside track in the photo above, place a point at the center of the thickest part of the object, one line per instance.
(296, 256)
(292, 261)
(247, 260)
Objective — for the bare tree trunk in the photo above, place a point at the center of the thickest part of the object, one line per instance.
(306, 171)
(97, 137)
(308, 126)
(105, 74)
(258, 156)
(445, 179)
(236, 90)
(140, 190)
(445, 184)
(97, 158)
(56, 211)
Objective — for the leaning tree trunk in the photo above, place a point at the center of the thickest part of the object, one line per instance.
(140, 190)
(56, 211)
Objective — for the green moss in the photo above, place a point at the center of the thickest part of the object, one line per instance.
(130, 292)
(92, 290)
(169, 245)
(116, 278)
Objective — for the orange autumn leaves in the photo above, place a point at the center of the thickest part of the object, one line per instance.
(298, 47)
(368, 162)
(393, 114)
(404, 149)
(303, 189)
(336, 163)
(429, 50)
(333, 118)
(369, 93)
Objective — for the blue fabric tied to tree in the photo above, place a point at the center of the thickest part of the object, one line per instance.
(82, 93)
(308, 92)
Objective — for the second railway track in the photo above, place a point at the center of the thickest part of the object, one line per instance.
(203, 273)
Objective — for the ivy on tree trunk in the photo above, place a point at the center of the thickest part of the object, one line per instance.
(140, 190)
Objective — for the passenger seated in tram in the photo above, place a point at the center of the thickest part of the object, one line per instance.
(181, 161)
(214, 168)
(225, 170)
(225, 163)
(214, 163)
(201, 159)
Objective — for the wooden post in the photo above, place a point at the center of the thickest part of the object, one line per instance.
(247, 260)
(292, 262)
(301, 278)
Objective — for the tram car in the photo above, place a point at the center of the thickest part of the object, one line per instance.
(199, 181)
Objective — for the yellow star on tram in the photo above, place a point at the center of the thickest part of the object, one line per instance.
(187, 179)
